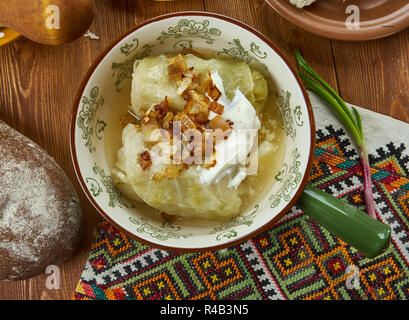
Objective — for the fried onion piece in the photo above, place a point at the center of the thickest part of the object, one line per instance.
(177, 65)
(150, 130)
(190, 80)
(167, 120)
(219, 123)
(202, 117)
(185, 121)
(172, 171)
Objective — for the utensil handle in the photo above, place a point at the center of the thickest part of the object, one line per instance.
(356, 228)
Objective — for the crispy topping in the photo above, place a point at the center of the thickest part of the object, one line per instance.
(202, 117)
(150, 130)
(210, 88)
(195, 76)
(166, 120)
(192, 52)
(197, 106)
(162, 108)
(210, 164)
(158, 111)
(144, 160)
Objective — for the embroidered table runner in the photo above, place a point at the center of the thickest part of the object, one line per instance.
(297, 258)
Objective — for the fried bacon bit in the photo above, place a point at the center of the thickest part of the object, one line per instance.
(192, 52)
(185, 121)
(185, 78)
(197, 110)
(157, 111)
(219, 123)
(202, 117)
(216, 107)
(144, 160)
(196, 103)
(230, 122)
(177, 65)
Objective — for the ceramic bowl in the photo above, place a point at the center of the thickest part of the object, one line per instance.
(108, 82)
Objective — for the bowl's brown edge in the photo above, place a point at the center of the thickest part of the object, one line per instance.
(336, 33)
(226, 244)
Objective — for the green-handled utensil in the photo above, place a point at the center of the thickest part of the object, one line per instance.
(353, 226)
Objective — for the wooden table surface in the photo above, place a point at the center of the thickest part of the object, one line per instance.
(38, 85)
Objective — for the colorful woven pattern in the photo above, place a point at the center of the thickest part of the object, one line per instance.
(297, 259)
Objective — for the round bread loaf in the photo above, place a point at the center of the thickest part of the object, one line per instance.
(40, 215)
